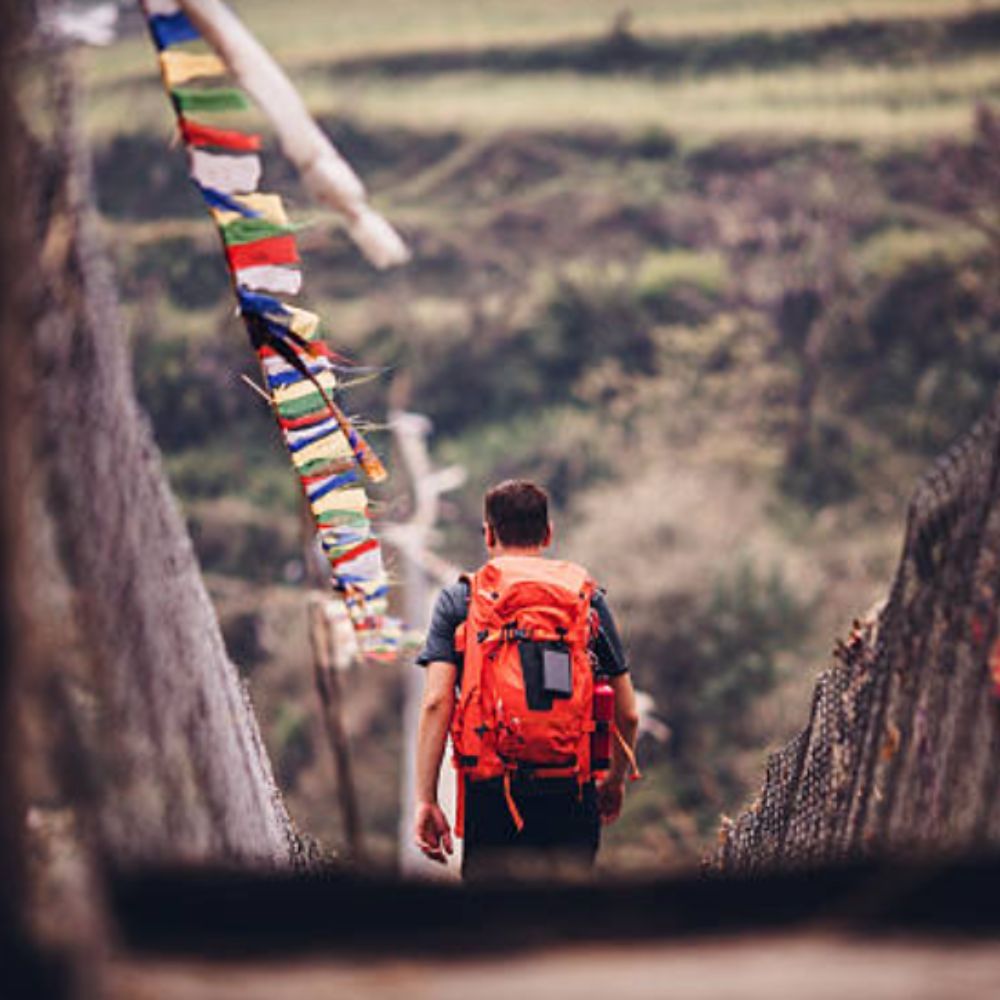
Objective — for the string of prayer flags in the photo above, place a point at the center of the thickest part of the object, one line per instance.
(201, 43)
(325, 173)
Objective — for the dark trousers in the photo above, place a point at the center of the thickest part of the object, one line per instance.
(560, 836)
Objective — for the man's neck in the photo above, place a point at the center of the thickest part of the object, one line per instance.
(506, 550)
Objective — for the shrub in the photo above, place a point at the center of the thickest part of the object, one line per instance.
(257, 470)
(934, 356)
(824, 468)
(242, 633)
(194, 276)
(492, 373)
(664, 278)
(294, 745)
(234, 539)
(707, 660)
(191, 388)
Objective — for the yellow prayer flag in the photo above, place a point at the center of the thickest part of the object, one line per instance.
(298, 390)
(303, 322)
(181, 67)
(352, 500)
(269, 206)
(334, 500)
(331, 448)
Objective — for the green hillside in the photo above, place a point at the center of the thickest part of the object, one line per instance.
(721, 274)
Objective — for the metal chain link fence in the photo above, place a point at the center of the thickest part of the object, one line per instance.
(902, 746)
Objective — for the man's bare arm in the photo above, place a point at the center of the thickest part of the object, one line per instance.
(627, 723)
(431, 829)
(610, 790)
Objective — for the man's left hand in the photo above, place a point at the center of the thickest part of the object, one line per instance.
(432, 832)
(610, 794)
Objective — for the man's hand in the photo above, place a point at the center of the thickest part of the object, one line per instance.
(610, 793)
(432, 832)
(430, 829)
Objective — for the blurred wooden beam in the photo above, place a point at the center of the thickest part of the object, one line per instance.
(412, 540)
(323, 640)
(12, 873)
(329, 655)
(26, 967)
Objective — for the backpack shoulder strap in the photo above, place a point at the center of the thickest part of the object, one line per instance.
(461, 629)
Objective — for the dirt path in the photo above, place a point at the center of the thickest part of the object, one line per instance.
(769, 968)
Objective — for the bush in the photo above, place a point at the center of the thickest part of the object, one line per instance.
(681, 286)
(242, 633)
(488, 374)
(257, 469)
(294, 745)
(193, 276)
(934, 356)
(231, 538)
(138, 178)
(825, 468)
(191, 388)
(706, 661)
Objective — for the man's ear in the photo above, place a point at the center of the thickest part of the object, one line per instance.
(547, 540)
(488, 536)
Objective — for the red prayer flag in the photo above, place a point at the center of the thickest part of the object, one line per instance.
(336, 467)
(224, 138)
(273, 250)
(358, 550)
(301, 423)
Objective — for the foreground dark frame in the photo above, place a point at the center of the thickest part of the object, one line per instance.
(224, 915)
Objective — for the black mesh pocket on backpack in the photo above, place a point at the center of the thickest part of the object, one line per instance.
(547, 673)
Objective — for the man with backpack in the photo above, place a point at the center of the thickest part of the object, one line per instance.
(523, 664)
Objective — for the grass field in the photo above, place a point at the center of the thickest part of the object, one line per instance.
(887, 104)
(350, 29)
(893, 104)
(317, 31)
(902, 102)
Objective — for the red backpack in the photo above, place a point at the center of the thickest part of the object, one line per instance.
(525, 702)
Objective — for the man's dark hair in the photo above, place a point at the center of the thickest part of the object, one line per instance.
(518, 512)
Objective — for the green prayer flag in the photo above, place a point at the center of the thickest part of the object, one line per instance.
(328, 518)
(314, 468)
(210, 99)
(351, 518)
(303, 406)
(251, 230)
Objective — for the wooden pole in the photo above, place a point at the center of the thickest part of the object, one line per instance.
(323, 640)
(411, 540)
(416, 609)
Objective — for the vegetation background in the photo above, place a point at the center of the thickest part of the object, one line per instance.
(722, 274)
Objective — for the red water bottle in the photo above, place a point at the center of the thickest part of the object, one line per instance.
(604, 715)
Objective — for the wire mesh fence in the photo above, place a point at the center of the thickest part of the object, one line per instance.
(902, 746)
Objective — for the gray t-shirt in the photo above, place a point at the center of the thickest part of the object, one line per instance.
(452, 606)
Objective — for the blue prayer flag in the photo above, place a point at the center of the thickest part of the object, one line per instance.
(172, 29)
